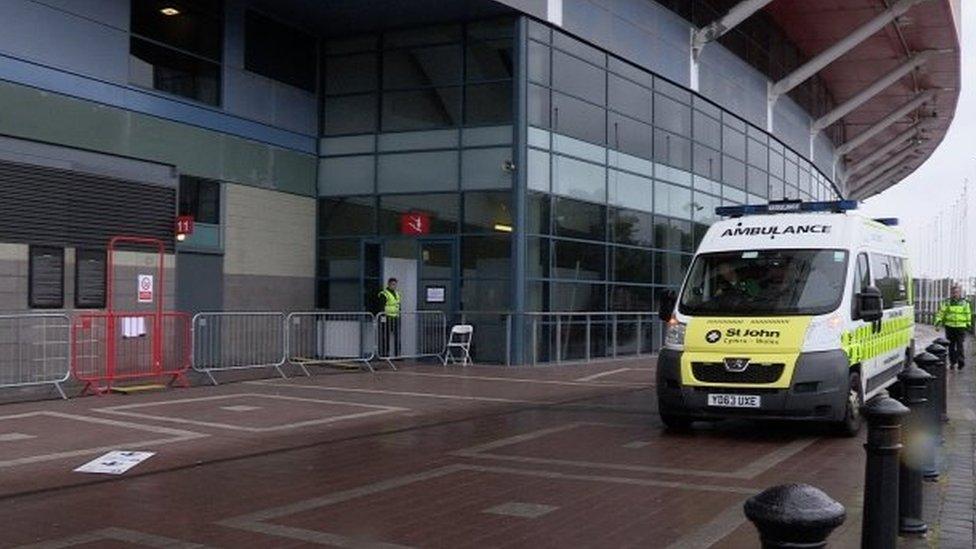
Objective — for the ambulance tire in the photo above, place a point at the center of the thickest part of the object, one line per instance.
(850, 426)
(675, 423)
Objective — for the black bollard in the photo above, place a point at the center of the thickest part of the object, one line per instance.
(915, 382)
(941, 385)
(879, 528)
(944, 343)
(928, 428)
(794, 515)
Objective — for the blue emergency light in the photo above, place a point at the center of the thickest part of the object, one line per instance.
(786, 206)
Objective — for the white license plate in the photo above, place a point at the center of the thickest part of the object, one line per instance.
(734, 401)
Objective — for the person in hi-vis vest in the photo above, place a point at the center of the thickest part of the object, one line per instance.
(957, 317)
(390, 320)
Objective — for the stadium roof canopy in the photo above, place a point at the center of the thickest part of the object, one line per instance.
(904, 79)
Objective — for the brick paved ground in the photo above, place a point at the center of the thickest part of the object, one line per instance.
(949, 503)
(573, 456)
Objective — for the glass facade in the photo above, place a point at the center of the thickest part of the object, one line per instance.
(624, 171)
(177, 48)
(418, 121)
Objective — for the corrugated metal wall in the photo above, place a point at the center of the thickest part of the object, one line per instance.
(40, 205)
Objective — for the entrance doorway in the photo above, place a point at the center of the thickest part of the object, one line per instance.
(437, 286)
(427, 273)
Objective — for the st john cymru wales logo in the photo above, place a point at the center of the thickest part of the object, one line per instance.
(713, 336)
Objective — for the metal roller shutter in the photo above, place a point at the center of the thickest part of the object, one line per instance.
(41, 205)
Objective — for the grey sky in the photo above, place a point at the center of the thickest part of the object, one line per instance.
(937, 185)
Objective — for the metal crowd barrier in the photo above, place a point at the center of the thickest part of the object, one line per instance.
(112, 346)
(416, 334)
(35, 349)
(557, 337)
(226, 341)
(330, 338)
(492, 341)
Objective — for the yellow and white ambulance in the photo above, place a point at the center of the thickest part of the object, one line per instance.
(791, 310)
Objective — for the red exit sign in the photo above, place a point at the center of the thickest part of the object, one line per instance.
(415, 223)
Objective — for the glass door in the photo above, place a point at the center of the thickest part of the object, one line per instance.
(437, 283)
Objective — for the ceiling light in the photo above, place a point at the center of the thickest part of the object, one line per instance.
(169, 11)
(502, 227)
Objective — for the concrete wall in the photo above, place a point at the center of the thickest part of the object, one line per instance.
(13, 277)
(66, 158)
(15, 272)
(269, 250)
(85, 53)
(128, 266)
(726, 79)
(792, 126)
(654, 37)
(88, 37)
(55, 118)
(640, 31)
(257, 97)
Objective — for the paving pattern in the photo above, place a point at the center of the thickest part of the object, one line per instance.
(950, 503)
(569, 456)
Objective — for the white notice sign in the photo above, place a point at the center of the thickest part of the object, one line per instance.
(115, 463)
(435, 294)
(145, 288)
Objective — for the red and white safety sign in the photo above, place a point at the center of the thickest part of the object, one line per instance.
(145, 288)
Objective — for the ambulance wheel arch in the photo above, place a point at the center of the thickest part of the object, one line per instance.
(850, 425)
(859, 370)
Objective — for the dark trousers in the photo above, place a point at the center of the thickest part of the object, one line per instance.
(957, 351)
(390, 329)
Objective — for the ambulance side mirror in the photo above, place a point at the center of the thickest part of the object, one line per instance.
(870, 306)
(668, 300)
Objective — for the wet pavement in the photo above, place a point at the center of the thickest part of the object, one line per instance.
(567, 456)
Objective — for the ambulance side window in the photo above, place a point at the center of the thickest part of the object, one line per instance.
(862, 277)
(889, 279)
(898, 284)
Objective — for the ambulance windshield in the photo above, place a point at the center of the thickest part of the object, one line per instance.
(765, 282)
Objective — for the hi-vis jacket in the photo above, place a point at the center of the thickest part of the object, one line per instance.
(391, 302)
(954, 313)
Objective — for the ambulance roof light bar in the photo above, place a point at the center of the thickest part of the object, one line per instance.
(786, 206)
(889, 221)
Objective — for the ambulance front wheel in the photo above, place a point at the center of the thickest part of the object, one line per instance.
(851, 424)
(676, 423)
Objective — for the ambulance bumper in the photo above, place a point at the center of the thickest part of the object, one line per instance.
(817, 392)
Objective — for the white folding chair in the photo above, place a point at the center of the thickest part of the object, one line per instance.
(460, 338)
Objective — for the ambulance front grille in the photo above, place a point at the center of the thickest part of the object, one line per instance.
(715, 372)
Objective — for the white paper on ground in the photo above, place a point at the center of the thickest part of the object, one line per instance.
(115, 463)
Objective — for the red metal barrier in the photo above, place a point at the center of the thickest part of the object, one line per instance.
(113, 346)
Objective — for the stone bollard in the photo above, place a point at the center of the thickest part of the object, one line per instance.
(917, 432)
(880, 523)
(794, 515)
(941, 386)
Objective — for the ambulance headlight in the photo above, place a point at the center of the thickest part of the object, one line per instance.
(674, 337)
(823, 333)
